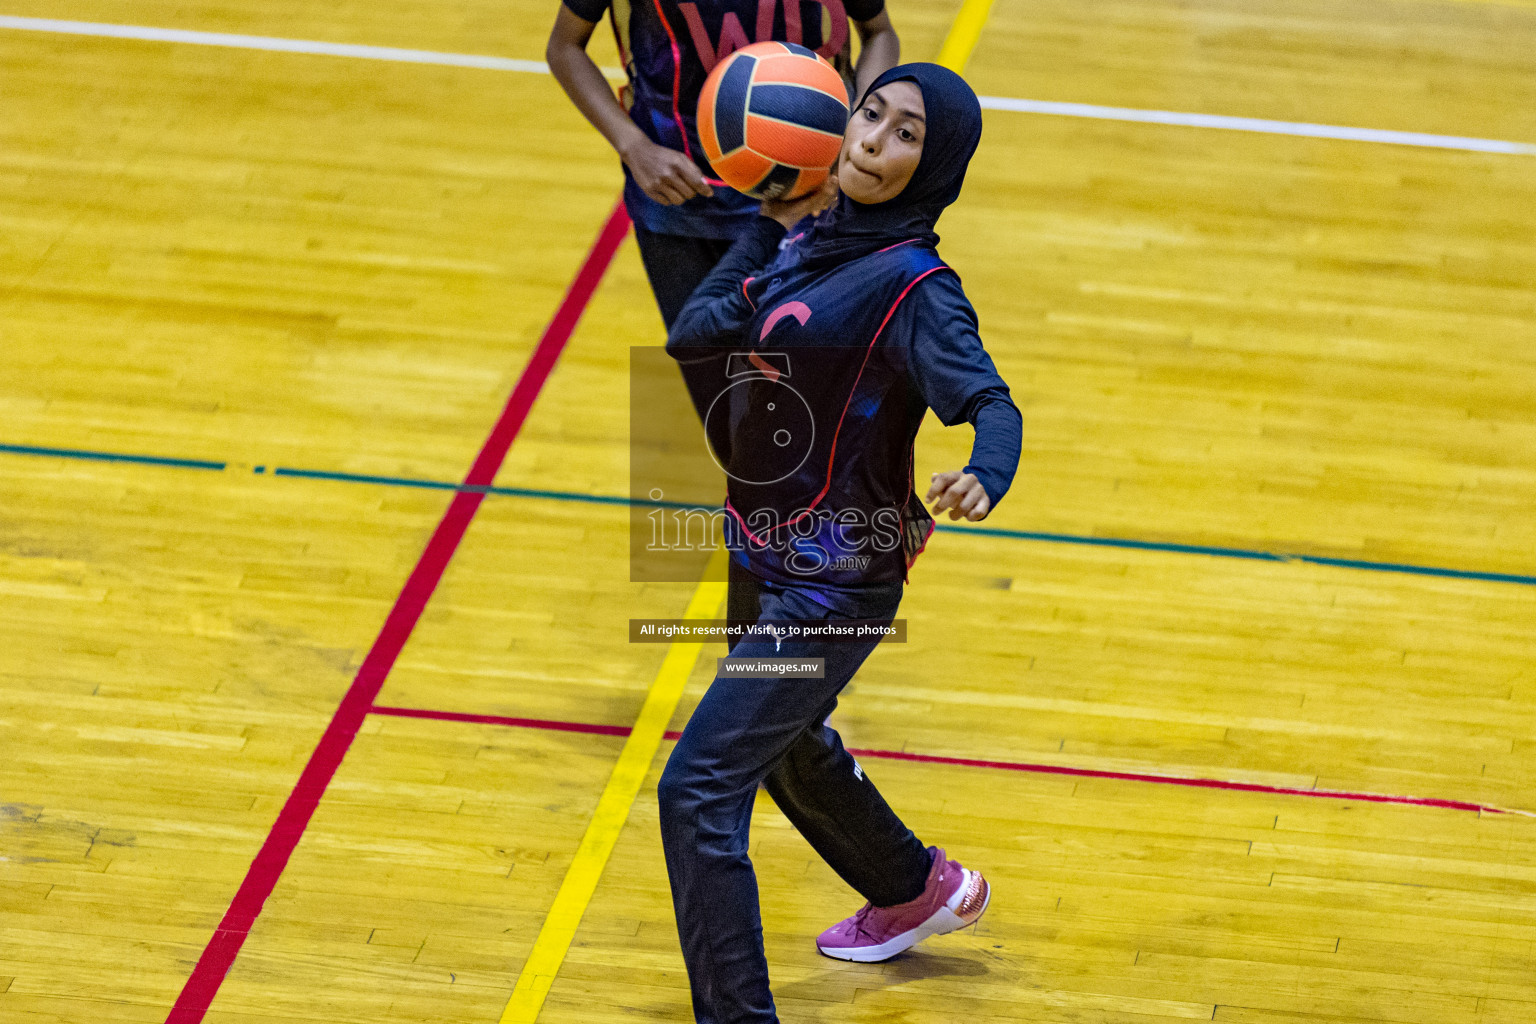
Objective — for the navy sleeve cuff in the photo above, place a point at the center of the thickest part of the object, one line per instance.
(999, 439)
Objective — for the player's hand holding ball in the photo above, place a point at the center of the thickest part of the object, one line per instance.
(789, 212)
(960, 493)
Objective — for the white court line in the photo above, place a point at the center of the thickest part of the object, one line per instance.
(469, 60)
(1257, 124)
(177, 35)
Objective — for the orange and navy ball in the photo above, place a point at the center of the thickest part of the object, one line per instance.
(771, 117)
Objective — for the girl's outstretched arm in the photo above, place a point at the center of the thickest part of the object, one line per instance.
(957, 380)
(973, 491)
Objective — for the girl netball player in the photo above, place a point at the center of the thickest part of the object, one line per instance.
(684, 218)
(858, 320)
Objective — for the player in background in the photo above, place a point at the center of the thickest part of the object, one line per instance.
(685, 219)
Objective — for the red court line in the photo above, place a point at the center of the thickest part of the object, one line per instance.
(968, 762)
(521, 723)
(220, 953)
(1181, 780)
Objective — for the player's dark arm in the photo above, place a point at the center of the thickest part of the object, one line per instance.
(717, 313)
(879, 49)
(958, 381)
(974, 491)
(665, 175)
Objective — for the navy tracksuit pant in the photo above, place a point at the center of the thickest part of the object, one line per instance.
(770, 731)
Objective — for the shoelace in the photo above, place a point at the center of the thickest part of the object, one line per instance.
(869, 908)
(858, 920)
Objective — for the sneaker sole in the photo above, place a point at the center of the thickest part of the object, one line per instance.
(941, 923)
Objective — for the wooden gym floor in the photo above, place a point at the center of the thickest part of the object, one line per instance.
(1226, 344)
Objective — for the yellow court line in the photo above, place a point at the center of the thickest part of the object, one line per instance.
(618, 797)
(964, 34)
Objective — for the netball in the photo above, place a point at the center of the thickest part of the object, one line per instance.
(771, 117)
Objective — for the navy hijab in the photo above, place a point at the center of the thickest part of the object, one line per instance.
(951, 132)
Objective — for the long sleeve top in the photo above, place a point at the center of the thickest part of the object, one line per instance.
(936, 323)
(875, 343)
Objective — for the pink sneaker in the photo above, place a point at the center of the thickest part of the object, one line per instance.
(952, 899)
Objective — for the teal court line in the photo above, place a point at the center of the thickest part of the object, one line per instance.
(1122, 543)
(92, 456)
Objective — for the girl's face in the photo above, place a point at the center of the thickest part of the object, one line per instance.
(883, 144)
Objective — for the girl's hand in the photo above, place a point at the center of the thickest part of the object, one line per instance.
(665, 175)
(961, 493)
(791, 212)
